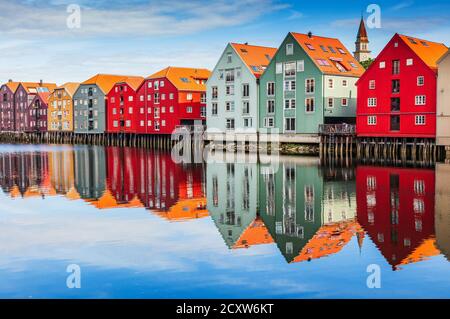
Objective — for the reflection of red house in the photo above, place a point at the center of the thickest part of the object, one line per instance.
(396, 209)
(123, 176)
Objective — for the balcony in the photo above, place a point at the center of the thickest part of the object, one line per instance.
(337, 129)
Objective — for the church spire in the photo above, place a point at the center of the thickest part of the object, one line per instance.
(362, 52)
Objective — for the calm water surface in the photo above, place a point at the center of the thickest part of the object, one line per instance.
(141, 226)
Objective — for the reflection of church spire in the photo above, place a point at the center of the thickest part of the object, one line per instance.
(360, 237)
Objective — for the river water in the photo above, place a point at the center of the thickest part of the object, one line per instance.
(131, 223)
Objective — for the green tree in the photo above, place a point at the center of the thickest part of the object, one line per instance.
(367, 63)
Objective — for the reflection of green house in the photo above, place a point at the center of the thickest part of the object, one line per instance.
(90, 171)
(232, 198)
(296, 200)
(290, 205)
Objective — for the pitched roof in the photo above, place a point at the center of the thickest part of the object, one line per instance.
(362, 32)
(43, 96)
(12, 86)
(69, 87)
(430, 52)
(442, 58)
(31, 87)
(133, 81)
(105, 81)
(184, 79)
(329, 55)
(257, 58)
(255, 234)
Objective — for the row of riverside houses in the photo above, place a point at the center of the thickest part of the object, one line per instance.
(308, 82)
(107, 103)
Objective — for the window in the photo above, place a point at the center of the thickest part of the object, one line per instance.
(270, 106)
(289, 104)
(245, 107)
(310, 46)
(330, 102)
(421, 100)
(156, 85)
(289, 69)
(229, 90)
(229, 75)
(395, 86)
(309, 85)
(289, 49)
(396, 67)
(371, 120)
(229, 57)
(341, 51)
(229, 106)
(156, 97)
(188, 109)
(202, 111)
(214, 108)
(332, 50)
(171, 96)
(420, 120)
(268, 122)
(215, 92)
(270, 88)
(372, 85)
(395, 123)
(395, 104)
(309, 105)
(330, 83)
(344, 102)
(372, 102)
(245, 90)
(420, 80)
(130, 98)
(289, 124)
(247, 122)
(409, 62)
(324, 49)
(229, 124)
(382, 65)
(189, 96)
(289, 85)
(344, 83)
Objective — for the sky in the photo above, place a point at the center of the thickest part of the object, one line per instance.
(140, 37)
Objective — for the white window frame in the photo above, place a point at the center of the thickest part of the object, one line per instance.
(372, 102)
(420, 100)
(372, 120)
(420, 120)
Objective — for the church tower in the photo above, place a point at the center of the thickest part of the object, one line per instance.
(362, 52)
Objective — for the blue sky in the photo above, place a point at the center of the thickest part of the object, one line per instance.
(139, 37)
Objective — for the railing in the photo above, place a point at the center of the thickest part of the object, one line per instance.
(337, 129)
(191, 128)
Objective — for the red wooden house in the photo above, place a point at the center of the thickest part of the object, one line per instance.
(170, 98)
(37, 121)
(396, 209)
(121, 111)
(397, 94)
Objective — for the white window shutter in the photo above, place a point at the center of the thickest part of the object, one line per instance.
(279, 68)
(301, 66)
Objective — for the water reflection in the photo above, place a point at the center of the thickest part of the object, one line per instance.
(307, 211)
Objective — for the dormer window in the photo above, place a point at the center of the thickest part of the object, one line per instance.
(310, 46)
(341, 51)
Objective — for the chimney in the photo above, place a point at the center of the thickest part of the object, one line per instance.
(41, 82)
(310, 34)
(246, 43)
(10, 81)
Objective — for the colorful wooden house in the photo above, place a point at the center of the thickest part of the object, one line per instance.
(171, 98)
(397, 93)
(232, 91)
(37, 121)
(443, 101)
(310, 81)
(90, 103)
(7, 111)
(121, 113)
(25, 112)
(60, 108)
